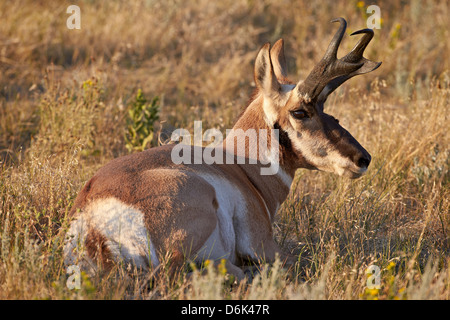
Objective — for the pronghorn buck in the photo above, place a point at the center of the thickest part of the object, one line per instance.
(145, 208)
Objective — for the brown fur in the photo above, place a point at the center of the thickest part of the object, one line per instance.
(97, 249)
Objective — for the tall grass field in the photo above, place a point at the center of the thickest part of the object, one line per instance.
(73, 99)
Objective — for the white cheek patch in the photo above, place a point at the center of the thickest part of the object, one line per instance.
(311, 148)
(340, 164)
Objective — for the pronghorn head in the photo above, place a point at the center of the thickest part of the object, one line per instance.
(316, 140)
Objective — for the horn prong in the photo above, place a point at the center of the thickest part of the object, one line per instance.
(330, 67)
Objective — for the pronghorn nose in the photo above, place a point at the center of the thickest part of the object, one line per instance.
(364, 161)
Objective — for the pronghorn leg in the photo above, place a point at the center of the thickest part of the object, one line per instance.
(231, 269)
(235, 271)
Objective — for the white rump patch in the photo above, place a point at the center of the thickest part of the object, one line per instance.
(122, 226)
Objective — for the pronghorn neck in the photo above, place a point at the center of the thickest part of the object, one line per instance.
(254, 127)
(256, 118)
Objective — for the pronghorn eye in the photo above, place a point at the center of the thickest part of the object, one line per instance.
(299, 114)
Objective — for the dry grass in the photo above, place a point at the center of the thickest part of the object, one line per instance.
(64, 96)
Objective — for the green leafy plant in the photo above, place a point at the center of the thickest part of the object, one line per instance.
(142, 116)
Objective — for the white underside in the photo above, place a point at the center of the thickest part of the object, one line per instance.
(228, 237)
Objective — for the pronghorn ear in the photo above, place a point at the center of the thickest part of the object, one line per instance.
(265, 78)
(278, 60)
